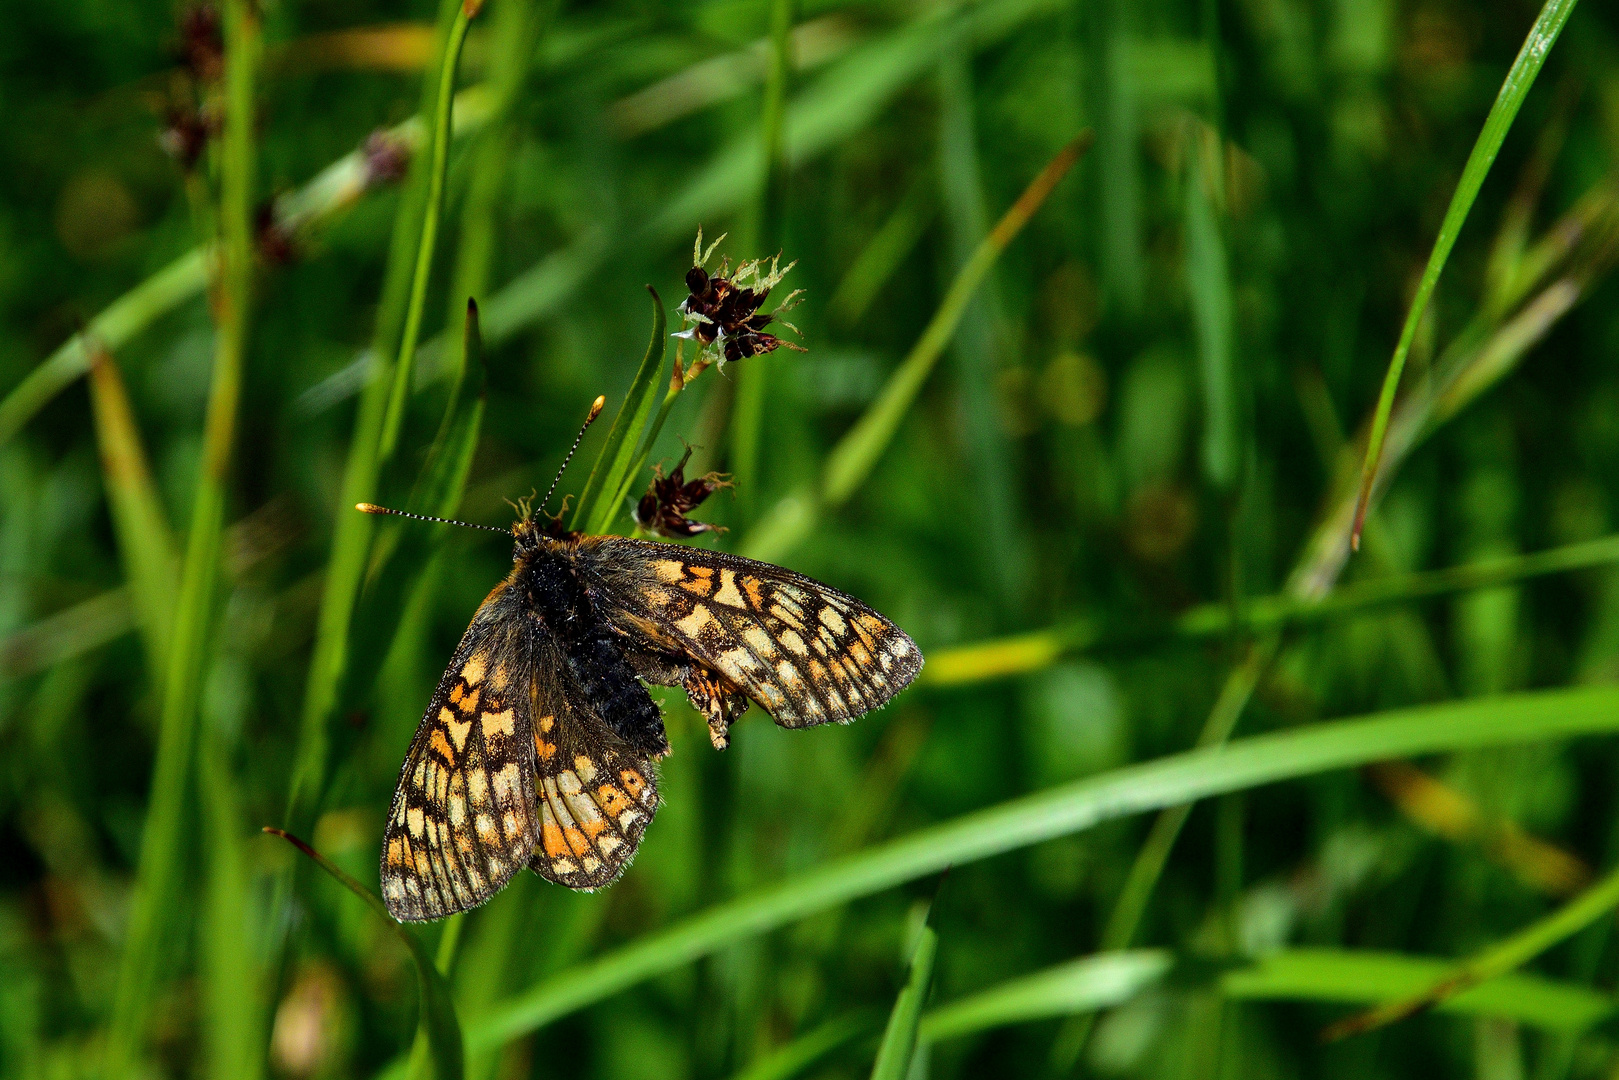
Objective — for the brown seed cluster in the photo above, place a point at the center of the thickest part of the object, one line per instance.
(723, 309)
(663, 509)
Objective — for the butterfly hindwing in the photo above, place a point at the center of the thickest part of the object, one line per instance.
(595, 796)
(806, 652)
(463, 818)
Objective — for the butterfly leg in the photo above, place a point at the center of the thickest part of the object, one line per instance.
(719, 700)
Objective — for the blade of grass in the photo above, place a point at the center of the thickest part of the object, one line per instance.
(883, 254)
(375, 433)
(765, 237)
(299, 214)
(1083, 985)
(794, 1057)
(1022, 653)
(234, 977)
(852, 459)
(439, 166)
(1353, 976)
(144, 541)
(1498, 959)
(1542, 36)
(898, 1046)
(164, 833)
(1208, 286)
(610, 475)
(1074, 807)
(438, 1023)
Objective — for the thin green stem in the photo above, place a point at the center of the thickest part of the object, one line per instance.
(1542, 35)
(438, 169)
(163, 839)
(1496, 960)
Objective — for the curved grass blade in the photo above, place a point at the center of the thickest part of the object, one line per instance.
(1542, 35)
(898, 1046)
(145, 542)
(402, 554)
(328, 194)
(1498, 959)
(1022, 653)
(164, 835)
(853, 458)
(1083, 985)
(611, 475)
(1154, 785)
(794, 1057)
(438, 1020)
(375, 437)
(1355, 976)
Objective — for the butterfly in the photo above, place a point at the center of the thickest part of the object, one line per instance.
(537, 748)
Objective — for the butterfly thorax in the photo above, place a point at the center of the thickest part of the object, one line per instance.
(547, 577)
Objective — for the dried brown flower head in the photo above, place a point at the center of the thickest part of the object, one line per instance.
(201, 47)
(186, 132)
(668, 499)
(722, 310)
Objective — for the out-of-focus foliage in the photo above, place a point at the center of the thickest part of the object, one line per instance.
(1099, 461)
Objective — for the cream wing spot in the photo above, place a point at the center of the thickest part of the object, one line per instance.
(833, 621)
(759, 641)
(458, 729)
(694, 624)
(794, 643)
(728, 594)
(472, 673)
(669, 571)
(585, 767)
(501, 723)
(416, 820)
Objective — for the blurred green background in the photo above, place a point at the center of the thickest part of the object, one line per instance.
(1101, 473)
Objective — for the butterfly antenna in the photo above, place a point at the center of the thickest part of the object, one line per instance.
(595, 411)
(373, 508)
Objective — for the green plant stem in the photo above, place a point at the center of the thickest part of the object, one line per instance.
(334, 190)
(1023, 653)
(1542, 36)
(854, 456)
(753, 378)
(145, 543)
(405, 365)
(163, 838)
(898, 1046)
(1498, 959)
(1171, 781)
(369, 452)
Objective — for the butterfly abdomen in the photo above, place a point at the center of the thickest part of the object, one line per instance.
(604, 674)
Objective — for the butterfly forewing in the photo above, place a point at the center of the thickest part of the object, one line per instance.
(595, 796)
(463, 818)
(807, 653)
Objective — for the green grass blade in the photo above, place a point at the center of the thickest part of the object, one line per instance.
(326, 196)
(438, 169)
(1542, 36)
(852, 459)
(1154, 785)
(352, 532)
(181, 280)
(1357, 977)
(235, 979)
(898, 1046)
(1500, 958)
(794, 1057)
(438, 1019)
(1022, 653)
(883, 254)
(610, 476)
(764, 239)
(854, 456)
(144, 540)
(1083, 985)
(163, 837)
(1208, 284)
